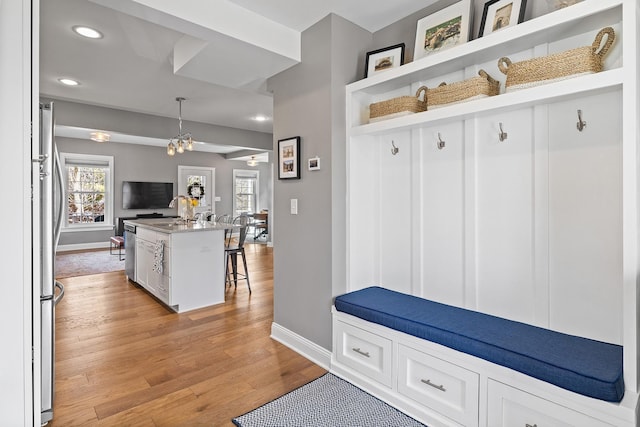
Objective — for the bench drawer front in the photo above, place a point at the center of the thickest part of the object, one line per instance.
(439, 385)
(509, 406)
(365, 352)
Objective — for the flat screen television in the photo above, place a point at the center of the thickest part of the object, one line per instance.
(146, 195)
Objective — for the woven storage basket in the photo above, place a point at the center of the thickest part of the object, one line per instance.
(559, 66)
(400, 106)
(477, 87)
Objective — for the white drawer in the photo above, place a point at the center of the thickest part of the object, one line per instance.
(508, 407)
(365, 352)
(442, 386)
(145, 234)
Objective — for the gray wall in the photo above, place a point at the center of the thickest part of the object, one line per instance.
(134, 162)
(309, 101)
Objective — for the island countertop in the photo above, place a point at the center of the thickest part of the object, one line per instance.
(177, 225)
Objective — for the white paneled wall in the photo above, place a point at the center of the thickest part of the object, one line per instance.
(527, 228)
(585, 217)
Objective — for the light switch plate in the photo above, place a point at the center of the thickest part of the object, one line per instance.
(294, 206)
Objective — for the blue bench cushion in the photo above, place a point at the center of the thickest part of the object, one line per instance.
(582, 365)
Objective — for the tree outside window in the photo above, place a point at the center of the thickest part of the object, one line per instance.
(85, 194)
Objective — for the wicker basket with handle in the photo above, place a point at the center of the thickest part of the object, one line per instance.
(477, 87)
(400, 106)
(558, 66)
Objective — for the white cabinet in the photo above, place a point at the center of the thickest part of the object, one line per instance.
(365, 352)
(156, 282)
(192, 273)
(445, 387)
(541, 227)
(508, 406)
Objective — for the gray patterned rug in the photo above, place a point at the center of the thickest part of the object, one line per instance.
(72, 264)
(327, 401)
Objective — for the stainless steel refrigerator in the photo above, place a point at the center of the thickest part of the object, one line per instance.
(47, 214)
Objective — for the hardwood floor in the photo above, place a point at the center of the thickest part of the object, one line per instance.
(123, 359)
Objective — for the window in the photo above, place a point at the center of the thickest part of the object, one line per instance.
(88, 191)
(245, 191)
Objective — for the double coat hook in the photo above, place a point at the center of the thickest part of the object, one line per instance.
(441, 143)
(502, 135)
(394, 149)
(581, 123)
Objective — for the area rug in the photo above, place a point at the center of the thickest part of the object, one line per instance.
(72, 264)
(327, 401)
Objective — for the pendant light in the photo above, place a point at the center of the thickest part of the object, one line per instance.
(183, 141)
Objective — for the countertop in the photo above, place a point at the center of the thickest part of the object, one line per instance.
(176, 225)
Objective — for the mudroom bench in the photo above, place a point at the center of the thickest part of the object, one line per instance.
(450, 366)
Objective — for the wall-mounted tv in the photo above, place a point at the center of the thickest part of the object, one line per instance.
(146, 195)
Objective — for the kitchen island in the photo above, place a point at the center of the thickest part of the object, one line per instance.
(181, 264)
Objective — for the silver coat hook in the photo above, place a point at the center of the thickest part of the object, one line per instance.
(581, 123)
(502, 135)
(394, 149)
(441, 143)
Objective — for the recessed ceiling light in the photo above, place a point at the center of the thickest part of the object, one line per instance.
(87, 32)
(260, 118)
(69, 82)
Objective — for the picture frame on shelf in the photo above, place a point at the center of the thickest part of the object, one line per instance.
(384, 59)
(500, 14)
(289, 158)
(444, 29)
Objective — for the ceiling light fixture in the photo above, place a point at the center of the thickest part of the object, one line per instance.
(183, 140)
(69, 82)
(252, 161)
(100, 136)
(260, 118)
(87, 32)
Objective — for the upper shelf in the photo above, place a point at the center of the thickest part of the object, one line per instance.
(565, 89)
(577, 19)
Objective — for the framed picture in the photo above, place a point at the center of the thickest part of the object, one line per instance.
(499, 14)
(384, 59)
(444, 29)
(314, 164)
(289, 158)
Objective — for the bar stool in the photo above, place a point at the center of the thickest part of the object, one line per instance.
(116, 242)
(234, 247)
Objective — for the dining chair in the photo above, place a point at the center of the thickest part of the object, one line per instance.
(234, 245)
(260, 225)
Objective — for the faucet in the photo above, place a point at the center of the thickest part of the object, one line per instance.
(201, 217)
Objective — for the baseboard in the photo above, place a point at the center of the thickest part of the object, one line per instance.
(82, 246)
(312, 351)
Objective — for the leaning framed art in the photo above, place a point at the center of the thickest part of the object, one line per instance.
(499, 14)
(444, 29)
(289, 158)
(384, 59)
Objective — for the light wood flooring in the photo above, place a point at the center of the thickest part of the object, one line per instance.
(123, 359)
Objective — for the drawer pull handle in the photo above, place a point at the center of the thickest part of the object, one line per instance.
(529, 425)
(364, 353)
(439, 387)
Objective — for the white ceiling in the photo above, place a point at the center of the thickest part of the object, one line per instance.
(215, 53)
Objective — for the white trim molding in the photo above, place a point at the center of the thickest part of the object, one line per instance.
(318, 355)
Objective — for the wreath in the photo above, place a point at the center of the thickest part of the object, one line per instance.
(195, 191)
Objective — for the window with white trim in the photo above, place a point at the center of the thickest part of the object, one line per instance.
(88, 191)
(245, 191)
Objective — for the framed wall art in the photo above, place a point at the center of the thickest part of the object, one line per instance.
(313, 163)
(384, 59)
(289, 158)
(499, 14)
(444, 29)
